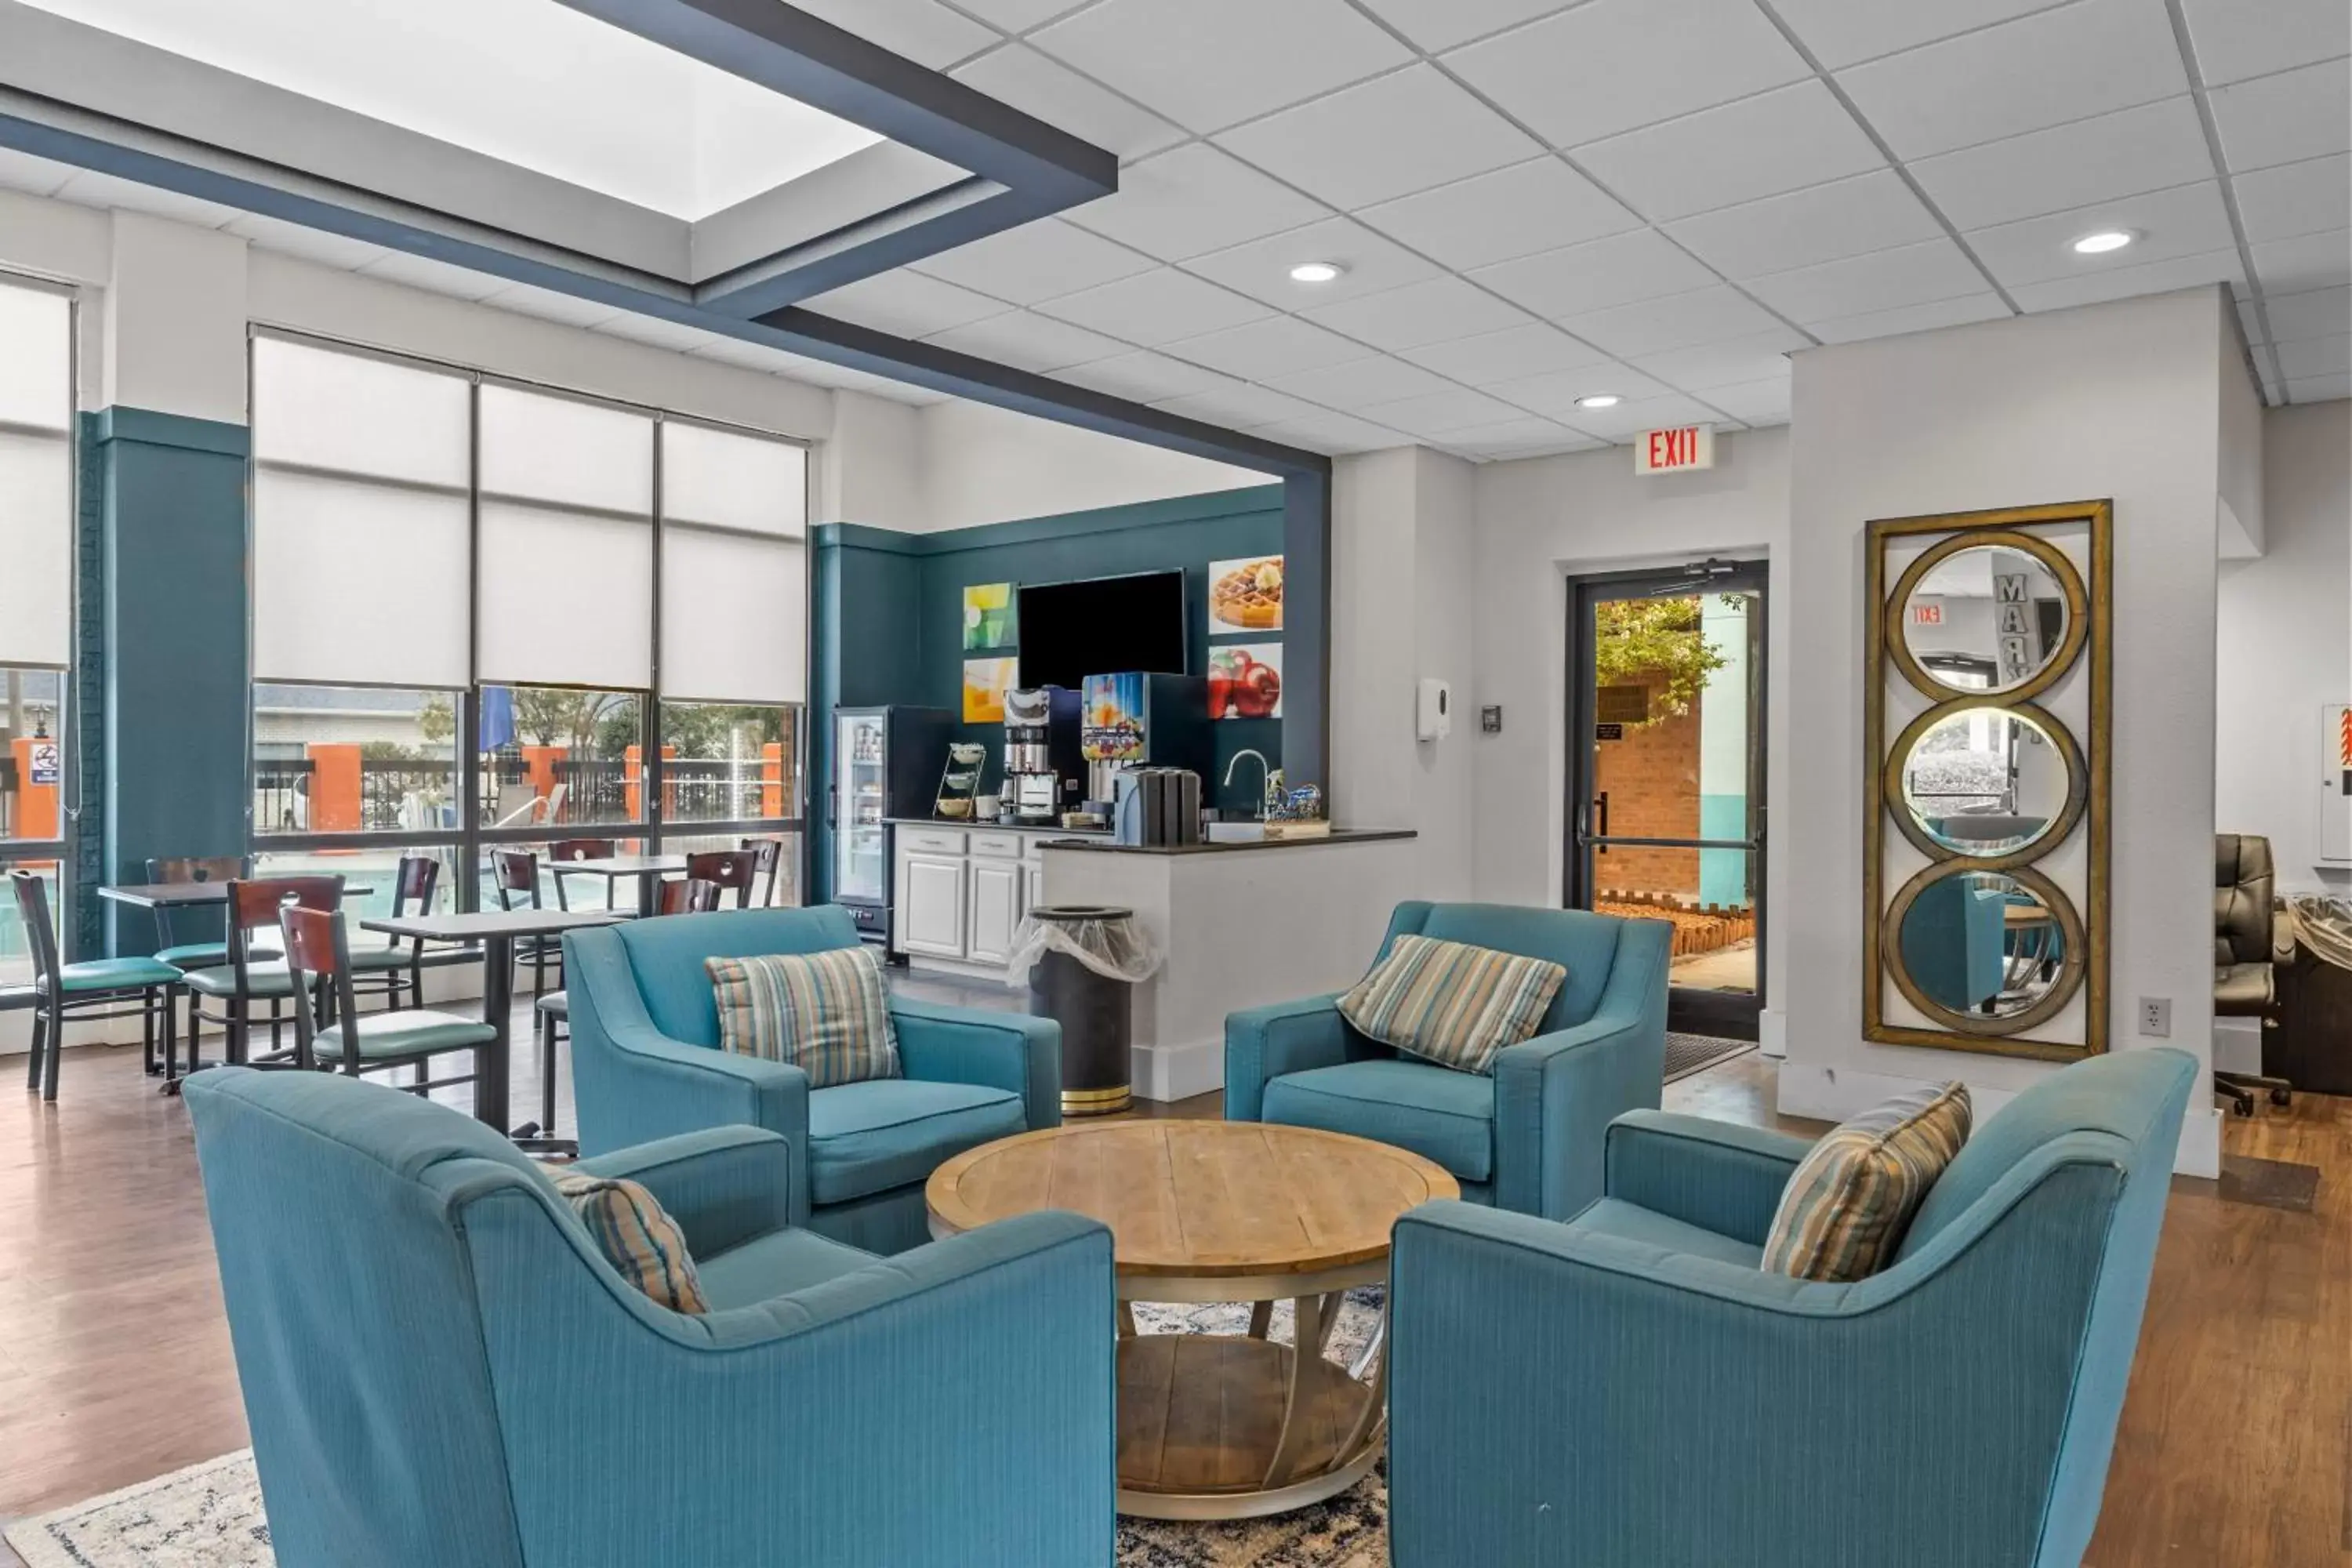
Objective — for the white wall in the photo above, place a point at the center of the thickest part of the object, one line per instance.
(1544, 519)
(2283, 645)
(871, 470)
(2120, 401)
(981, 464)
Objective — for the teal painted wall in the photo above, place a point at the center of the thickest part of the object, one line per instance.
(171, 516)
(888, 620)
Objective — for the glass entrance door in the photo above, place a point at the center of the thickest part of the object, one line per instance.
(1666, 774)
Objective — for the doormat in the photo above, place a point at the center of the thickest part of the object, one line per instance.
(1689, 1054)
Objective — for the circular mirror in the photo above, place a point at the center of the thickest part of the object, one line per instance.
(1987, 618)
(1986, 781)
(1991, 952)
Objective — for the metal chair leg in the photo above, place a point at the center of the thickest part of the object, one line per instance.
(547, 1075)
(57, 1044)
(33, 1063)
(147, 1027)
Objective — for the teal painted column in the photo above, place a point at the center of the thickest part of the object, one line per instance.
(173, 515)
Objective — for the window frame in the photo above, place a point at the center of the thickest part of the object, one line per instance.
(474, 837)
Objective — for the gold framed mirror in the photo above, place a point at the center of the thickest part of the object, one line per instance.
(1986, 733)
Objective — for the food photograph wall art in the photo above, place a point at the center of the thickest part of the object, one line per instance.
(1245, 595)
(1246, 680)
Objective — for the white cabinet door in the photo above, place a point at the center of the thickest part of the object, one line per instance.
(995, 910)
(1035, 893)
(931, 904)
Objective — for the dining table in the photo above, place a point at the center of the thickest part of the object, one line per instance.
(497, 931)
(189, 895)
(648, 869)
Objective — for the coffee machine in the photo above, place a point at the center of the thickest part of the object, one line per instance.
(1044, 772)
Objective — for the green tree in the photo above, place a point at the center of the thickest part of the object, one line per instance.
(1658, 643)
(438, 720)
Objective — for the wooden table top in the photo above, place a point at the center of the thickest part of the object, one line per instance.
(1199, 1199)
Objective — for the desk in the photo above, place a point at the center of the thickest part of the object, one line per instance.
(647, 869)
(497, 930)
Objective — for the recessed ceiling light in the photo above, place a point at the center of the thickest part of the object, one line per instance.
(2099, 244)
(1316, 271)
(1600, 400)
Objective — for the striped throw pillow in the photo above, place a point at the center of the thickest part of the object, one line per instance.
(825, 1013)
(637, 1237)
(1846, 1208)
(1450, 1003)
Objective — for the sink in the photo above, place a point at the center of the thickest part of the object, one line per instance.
(1235, 832)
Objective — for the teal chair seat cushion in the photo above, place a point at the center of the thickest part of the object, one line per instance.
(1438, 1114)
(777, 1263)
(1631, 1221)
(115, 974)
(375, 960)
(263, 980)
(884, 1132)
(204, 954)
(412, 1032)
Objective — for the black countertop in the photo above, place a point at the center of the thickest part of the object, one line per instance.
(1337, 836)
(967, 826)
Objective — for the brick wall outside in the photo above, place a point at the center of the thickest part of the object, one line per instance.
(1652, 777)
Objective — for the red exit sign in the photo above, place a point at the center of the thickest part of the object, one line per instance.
(1675, 451)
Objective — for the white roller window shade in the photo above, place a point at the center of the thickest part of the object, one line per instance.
(326, 409)
(357, 582)
(734, 566)
(35, 476)
(566, 573)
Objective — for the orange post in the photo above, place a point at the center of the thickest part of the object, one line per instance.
(538, 769)
(632, 782)
(334, 788)
(36, 805)
(771, 779)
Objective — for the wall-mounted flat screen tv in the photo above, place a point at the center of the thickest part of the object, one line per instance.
(1102, 626)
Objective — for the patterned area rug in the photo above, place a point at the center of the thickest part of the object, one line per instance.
(209, 1515)
(1689, 1054)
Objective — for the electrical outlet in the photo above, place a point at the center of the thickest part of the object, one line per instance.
(2155, 1016)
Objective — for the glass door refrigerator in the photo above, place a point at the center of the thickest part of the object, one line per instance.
(886, 764)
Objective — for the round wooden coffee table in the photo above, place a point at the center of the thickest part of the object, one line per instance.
(1221, 1425)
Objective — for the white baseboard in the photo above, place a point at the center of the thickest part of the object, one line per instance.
(1169, 1073)
(1773, 1033)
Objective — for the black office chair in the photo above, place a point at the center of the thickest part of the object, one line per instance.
(2246, 935)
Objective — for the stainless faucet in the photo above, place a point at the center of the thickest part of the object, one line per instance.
(1264, 771)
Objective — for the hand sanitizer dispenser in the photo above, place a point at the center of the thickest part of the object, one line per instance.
(1434, 713)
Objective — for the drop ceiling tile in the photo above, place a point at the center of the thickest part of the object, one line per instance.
(1596, 274)
(1525, 434)
(924, 31)
(1018, 16)
(1844, 32)
(1882, 280)
(23, 171)
(2319, 313)
(1960, 312)
(1556, 392)
(437, 277)
(1280, 345)
(1628, 419)
(1334, 433)
(1752, 403)
(2041, 71)
(1507, 355)
(1361, 383)
(2239, 38)
(2308, 357)
(93, 189)
(300, 240)
(550, 305)
(907, 303)
(1026, 341)
(654, 333)
(1035, 84)
(1612, 65)
(2281, 119)
(1439, 25)
(1435, 413)
(1436, 311)
(1540, 205)
(1208, 64)
(2294, 199)
(1240, 407)
(2187, 220)
(1778, 140)
(1261, 267)
(1191, 200)
(1145, 376)
(1676, 321)
(2125, 283)
(1156, 307)
(1383, 139)
(2321, 389)
(1043, 260)
(1846, 217)
(1490, 452)
(2311, 261)
(2146, 148)
(1726, 363)
(759, 357)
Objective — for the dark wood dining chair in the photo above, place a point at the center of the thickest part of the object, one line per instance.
(319, 958)
(565, 850)
(255, 971)
(393, 967)
(101, 988)
(551, 1014)
(771, 859)
(514, 875)
(734, 868)
(172, 925)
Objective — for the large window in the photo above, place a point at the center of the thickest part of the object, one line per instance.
(550, 615)
(37, 796)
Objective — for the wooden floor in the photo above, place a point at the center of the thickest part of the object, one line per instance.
(2235, 1451)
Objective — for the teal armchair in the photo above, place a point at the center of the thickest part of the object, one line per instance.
(645, 1065)
(1632, 1386)
(439, 1365)
(1529, 1136)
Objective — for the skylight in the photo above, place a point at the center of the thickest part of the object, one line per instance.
(530, 82)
